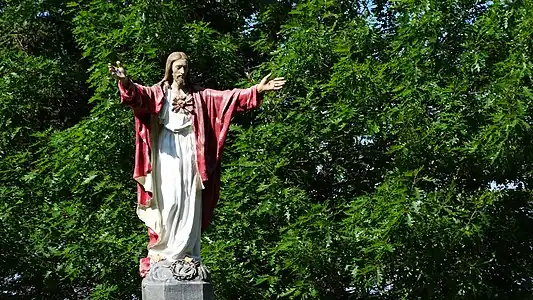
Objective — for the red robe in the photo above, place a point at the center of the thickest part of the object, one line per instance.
(211, 118)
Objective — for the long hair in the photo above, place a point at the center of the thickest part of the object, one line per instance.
(167, 79)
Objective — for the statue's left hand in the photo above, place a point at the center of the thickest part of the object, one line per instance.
(267, 84)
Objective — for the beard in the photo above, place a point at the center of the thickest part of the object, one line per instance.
(179, 81)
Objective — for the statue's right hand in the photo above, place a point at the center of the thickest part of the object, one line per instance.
(117, 71)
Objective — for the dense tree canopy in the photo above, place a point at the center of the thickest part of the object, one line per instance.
(397, 162)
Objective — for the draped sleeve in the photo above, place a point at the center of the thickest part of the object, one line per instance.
(146, 103)
(214, 110)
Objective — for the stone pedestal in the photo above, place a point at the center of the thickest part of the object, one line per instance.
(184, 279)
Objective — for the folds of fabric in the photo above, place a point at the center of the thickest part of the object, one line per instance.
(210, 119)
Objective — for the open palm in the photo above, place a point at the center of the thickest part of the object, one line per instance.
(267, 84)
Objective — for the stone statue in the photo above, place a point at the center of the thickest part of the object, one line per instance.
(180, 134)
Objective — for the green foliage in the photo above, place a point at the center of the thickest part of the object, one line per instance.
(395, 164)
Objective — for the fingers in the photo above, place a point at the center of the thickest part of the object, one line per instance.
(278, 82)
(113, 69)
(116, 70)
(272, 84)
(265, 79)
(116, 66)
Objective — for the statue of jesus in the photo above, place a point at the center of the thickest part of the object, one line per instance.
(180, 133)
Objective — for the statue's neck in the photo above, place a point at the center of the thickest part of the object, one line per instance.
(178, 87)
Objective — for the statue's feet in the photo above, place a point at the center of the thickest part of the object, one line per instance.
(184, 269)
(190, 268)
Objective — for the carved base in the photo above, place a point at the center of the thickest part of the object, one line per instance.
(182, 279)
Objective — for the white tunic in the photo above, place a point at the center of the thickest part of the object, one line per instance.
(177, 186)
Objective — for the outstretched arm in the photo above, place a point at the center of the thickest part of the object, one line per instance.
(141, 99)
(251, 98)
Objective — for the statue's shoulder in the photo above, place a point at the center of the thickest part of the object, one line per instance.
(161, 85)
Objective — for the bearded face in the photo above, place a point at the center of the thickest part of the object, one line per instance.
(179, 71)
